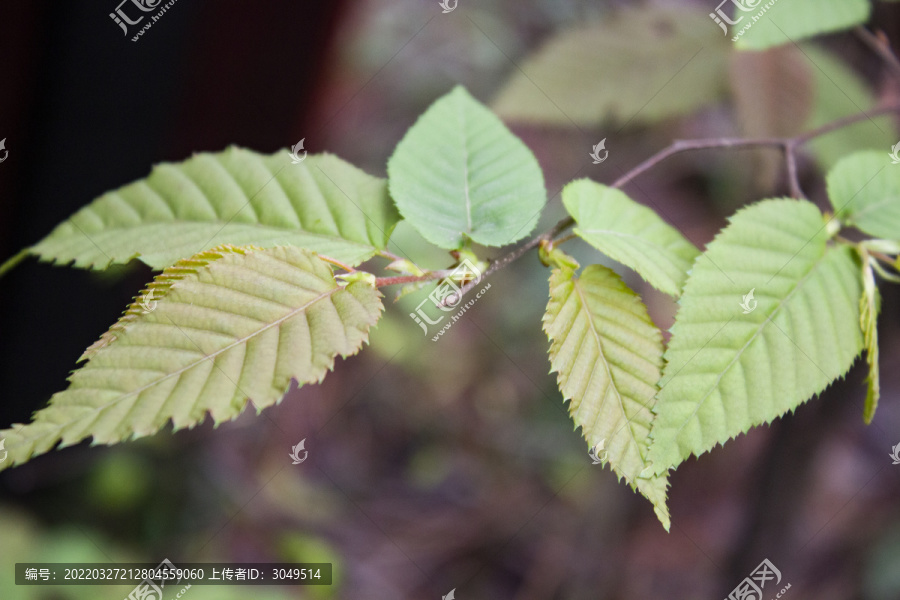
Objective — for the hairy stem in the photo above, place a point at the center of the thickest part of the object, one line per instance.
(338, 263)
(388, 254)
(404, 279)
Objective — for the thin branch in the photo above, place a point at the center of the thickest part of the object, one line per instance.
(565, 239)
(679, 146)
(790, 159)
(845, 122)
(881, 46)
(789, 145)
(403, 279)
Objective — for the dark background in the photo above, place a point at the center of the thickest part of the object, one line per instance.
(432, 466)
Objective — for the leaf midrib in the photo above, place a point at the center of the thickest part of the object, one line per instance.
(853, 217)
(205, 358)
(600, 349)
(465, 148)
(147, 224)
(740, 352)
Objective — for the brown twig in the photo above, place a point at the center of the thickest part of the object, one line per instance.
(845, 122)
(403, 279)
(881, 46)
(679, 146)
(338, 263)
(790, 159)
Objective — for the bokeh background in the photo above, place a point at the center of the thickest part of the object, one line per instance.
(432, 465)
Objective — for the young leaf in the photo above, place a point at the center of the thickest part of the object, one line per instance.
(638, 66)
(225, 326)
(608, 354)
(459, 172)
(864, 189)
(238, 197)
(869, 305)
(630, 233)
(767, 24)
(733, 364)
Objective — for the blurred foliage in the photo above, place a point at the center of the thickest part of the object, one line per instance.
(569, 80)
(454, 464)
(774, 23)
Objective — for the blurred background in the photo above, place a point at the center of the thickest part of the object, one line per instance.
(432, 465)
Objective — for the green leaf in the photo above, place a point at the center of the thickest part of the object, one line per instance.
(225, 326)
(638, 66)
(608, 355)
(864, 190)
(869, 305)
(630, 233)
(787, 21)
(460, 173)
(236, 197)
(732, 364)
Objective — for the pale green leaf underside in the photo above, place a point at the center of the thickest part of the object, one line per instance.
(788, 21)
(234, 325)
(637, 66)
(864, 189)
(630, 233)
(608, 355)
(233, 197)
(869, 306)
(459, 172)
(727, 371)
